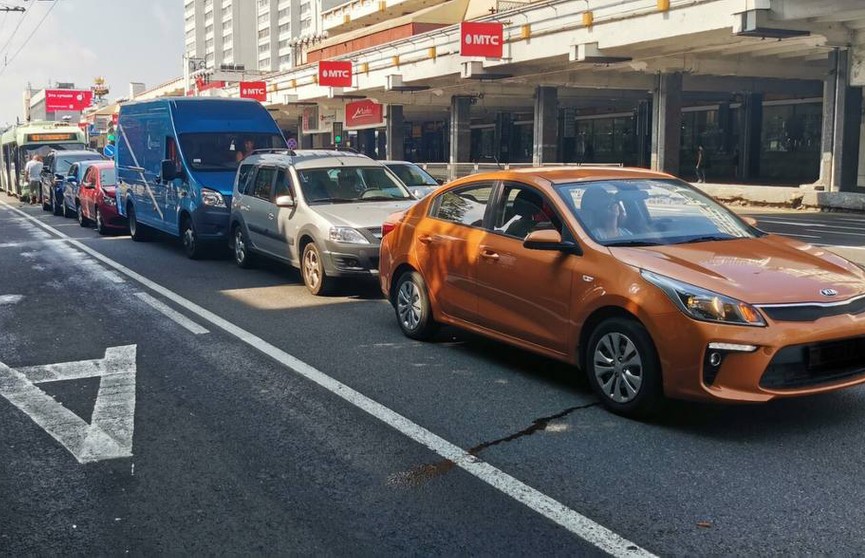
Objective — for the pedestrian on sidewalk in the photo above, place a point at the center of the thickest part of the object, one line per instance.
(702, 164)
(33, 172)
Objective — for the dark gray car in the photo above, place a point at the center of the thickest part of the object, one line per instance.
(318, 210)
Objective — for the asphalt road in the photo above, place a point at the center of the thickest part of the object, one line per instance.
(233, 452)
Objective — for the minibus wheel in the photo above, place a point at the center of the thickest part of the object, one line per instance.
(136, 230)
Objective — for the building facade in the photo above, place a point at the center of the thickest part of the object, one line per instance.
(220, 32)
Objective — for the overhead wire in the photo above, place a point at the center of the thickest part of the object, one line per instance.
(30, 36)
(14, 31)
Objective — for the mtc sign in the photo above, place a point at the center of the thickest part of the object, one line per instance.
(481, 39)
(334, 73)
(253, 90)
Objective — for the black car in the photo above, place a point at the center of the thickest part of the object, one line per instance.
(56, 166)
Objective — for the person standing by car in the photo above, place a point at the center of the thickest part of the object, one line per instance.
(33, 172)
(702, 164)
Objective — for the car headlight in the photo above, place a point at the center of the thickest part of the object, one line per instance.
(347, 235)
(109, 200)
(212, 198)
(705, 305)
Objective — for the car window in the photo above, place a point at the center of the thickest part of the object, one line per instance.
(412, 175)
(283, 185)
(108, 177)
(73, 170)
(522, 210)
(465, 205)
(263, 182)
(351, 185)
(90, 176)
(244, 179)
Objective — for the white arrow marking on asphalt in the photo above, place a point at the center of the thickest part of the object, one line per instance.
(10, 299)
(109, 434)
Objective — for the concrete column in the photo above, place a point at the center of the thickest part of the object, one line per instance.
(395, 133)
(750, 136)
(460, 132)
(381, 142)
(643, 133)
(861, 174)
(667, 123)
(304, 141)
(842, 120)
(546, 128)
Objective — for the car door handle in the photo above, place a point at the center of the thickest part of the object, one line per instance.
(489, 255)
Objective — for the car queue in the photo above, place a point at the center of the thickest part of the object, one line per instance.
(649, 287)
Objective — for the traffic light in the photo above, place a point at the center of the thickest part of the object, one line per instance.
(337, 133)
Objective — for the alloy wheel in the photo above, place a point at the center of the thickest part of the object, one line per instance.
(311, 269)
(618, 367)
(408, 305)
(239, 247)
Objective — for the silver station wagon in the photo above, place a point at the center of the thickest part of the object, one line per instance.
(318, 210)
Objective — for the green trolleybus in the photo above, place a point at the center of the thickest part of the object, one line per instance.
(21, 142)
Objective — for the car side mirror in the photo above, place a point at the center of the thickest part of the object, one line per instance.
(168, 170)
(60, 177)
(440, 181)
(285, 201)
(751, 221)
(549, 240)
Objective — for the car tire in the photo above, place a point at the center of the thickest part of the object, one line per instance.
(623, 368)
(45, 206)
(57, 207)
(137, 231)
(192, 246)
(82, 220)
(243, 256)
(312, 269)
(100, 223)
(412, 306)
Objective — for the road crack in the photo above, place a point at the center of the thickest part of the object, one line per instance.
(416, 476)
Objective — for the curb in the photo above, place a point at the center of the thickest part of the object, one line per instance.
(786, 197)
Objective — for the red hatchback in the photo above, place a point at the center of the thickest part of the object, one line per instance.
(96, 199)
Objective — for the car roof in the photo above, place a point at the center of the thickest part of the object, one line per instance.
(312, 158)
(563, 174)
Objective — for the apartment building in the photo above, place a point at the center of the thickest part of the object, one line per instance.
(221, 32)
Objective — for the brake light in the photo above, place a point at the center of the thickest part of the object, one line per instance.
(392, 222)
(386, 228)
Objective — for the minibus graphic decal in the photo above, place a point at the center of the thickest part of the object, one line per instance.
(140, 170)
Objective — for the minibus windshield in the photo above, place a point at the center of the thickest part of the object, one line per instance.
(223, 151)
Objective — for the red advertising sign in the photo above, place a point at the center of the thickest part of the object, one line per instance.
(67, 99)
(334, 73)
(481, 39)
(253, 90)
(363, 114)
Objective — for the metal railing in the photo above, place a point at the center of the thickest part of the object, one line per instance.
(448, 171)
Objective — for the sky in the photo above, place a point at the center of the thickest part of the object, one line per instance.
(78, 40)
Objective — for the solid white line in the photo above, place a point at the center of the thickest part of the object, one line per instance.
(573, 521)
(172, 314)
(810, 224)
(11, 299)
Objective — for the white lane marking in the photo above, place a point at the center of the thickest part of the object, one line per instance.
(172, 314)
(10, 299)
(576, 523)
(109, 434)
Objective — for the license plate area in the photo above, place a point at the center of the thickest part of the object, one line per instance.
(835, 355)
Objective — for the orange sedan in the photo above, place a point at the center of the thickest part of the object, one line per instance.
(648, 285)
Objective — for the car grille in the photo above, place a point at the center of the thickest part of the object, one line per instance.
(817, 363)
(813, 312)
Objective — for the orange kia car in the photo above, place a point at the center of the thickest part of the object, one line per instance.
(645, 283)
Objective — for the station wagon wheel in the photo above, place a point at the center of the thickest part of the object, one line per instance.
(312, 270)
(242, 255)
(623, 367)
(82, 220)
(412, 304)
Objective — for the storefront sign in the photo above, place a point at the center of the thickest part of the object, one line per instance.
(334, 73)
(317, 120)
(364, 114)
(67, 99)
(481, 39)
(253, 90)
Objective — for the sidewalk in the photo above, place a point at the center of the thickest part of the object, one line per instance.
(784, 196)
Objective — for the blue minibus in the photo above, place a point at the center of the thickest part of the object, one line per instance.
(176, 160)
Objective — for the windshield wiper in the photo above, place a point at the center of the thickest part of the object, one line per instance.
(381, 198)
(706, 238)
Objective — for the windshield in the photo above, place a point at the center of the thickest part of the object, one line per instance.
(412, 175)
(63, 162)
(350, 184)
(646, 212)
(220, 151)
(107, 178)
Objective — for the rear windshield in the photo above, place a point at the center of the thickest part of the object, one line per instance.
(63, 162)
(107, 177)
(412, 175)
